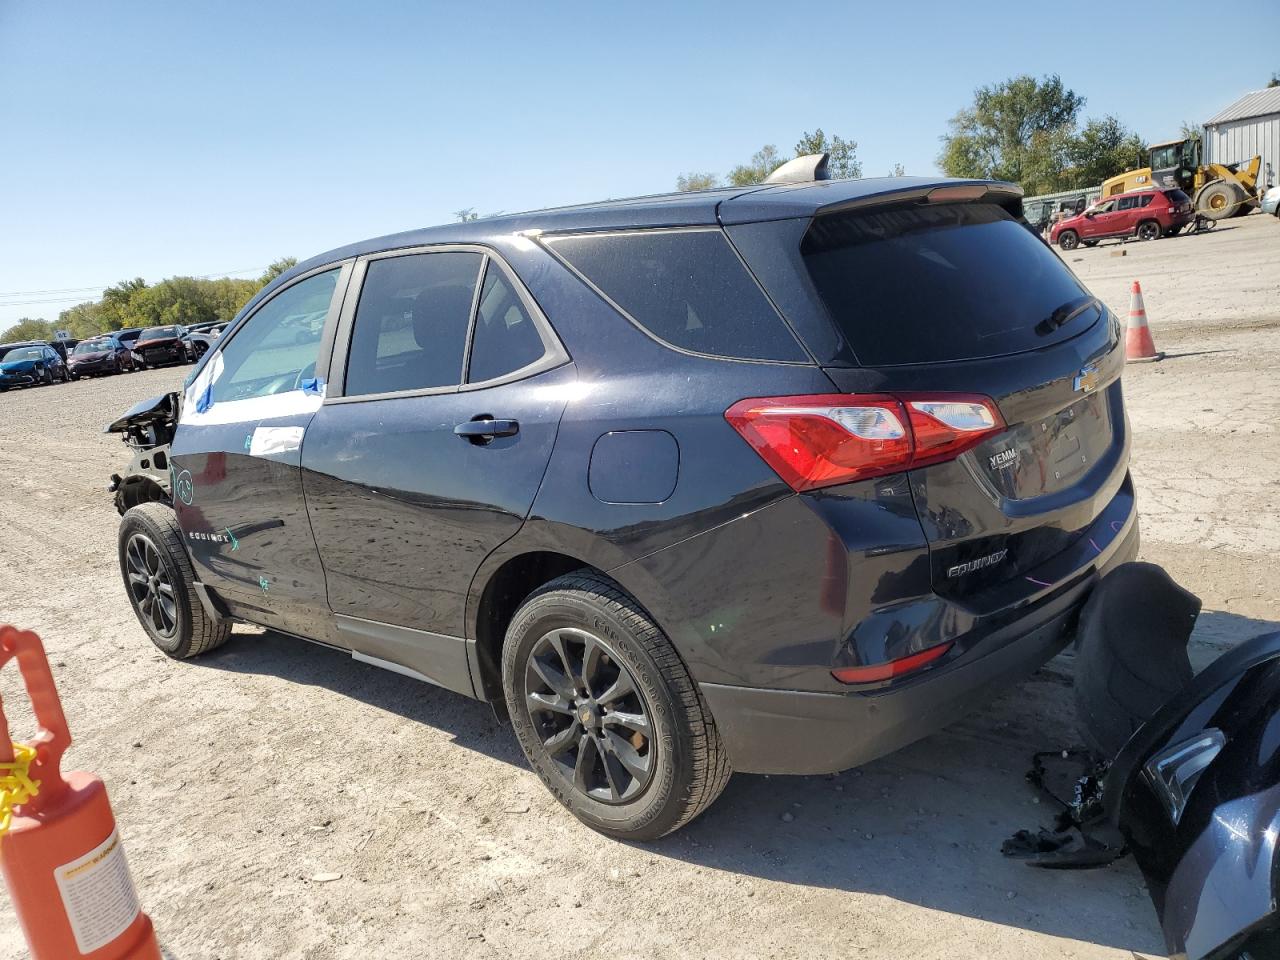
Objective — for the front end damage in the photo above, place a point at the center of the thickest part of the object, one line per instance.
(1193, 792)
(147, 430)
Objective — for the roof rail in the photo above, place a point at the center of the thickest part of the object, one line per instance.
(804, 169)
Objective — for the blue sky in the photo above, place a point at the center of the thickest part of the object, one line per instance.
(161, 138)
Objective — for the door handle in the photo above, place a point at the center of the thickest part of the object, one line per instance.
(484, 429)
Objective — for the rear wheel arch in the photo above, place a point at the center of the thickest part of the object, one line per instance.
(504, 590)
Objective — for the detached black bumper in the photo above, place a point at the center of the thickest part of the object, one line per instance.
(796, 732)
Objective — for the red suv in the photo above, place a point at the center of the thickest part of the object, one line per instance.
(1146, 214)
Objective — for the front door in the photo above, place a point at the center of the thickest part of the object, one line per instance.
(1102, 222)
(235, 459)
(430, 450)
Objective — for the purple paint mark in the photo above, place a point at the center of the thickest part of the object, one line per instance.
(1116, 526)
(1039, 583)
(1094, 545)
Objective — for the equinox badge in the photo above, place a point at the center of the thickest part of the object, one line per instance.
(990, 560)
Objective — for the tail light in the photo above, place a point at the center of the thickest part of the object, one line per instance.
(831, 438)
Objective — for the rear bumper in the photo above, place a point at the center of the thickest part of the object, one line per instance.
(800, 732)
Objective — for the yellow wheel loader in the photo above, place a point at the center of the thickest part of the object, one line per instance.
(1218, 190)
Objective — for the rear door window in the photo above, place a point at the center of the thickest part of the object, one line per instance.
(929, 284)
(411, 323)
(686, 287)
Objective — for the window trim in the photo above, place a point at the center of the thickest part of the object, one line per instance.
(340, 290)
(554, 354)
(547, 242)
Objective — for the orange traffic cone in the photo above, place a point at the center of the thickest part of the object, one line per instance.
(60, 853)
(1138, 345)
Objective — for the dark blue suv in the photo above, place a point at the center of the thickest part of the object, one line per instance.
(772, 479)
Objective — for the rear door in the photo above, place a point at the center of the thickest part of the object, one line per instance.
(962, 298)
(235, 459)
(449, 386)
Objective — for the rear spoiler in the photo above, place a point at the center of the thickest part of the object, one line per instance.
(1007, 195)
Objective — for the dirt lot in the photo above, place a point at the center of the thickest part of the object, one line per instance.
(239, 778)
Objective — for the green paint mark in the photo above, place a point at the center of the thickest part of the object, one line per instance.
(235, 544)
(248, 441)
(264, 583)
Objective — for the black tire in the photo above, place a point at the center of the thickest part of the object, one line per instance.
(1068, 239)
(1173, 231)
(1219, 200)
(66, 375)
(45, 377)
(685, 764)
(1131, 652)
(1149, 230)
(1090, 243)
(180, 628)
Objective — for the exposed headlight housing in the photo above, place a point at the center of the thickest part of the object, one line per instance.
(1173, 772)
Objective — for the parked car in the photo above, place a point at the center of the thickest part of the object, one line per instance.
(773, 479)
(100, 355)
(1145, 214)
(1271, 202)
(31, 364)
(200, 338)
(157, 346)
(128, 336)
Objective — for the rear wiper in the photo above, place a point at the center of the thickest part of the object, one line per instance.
(1065, 314)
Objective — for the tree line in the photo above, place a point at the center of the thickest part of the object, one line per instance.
(135, 303)
(1024, 130)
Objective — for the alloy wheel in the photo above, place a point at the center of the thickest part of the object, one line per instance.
(150, 586)
(587, 711)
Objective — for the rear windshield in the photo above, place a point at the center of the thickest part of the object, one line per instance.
(686, 287)
(1177, 196)
(928, 284)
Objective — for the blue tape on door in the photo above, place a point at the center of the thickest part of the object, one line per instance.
(314, 385)
(205, 400)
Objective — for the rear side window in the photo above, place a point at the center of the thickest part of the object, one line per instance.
(1177, 196)
(411, 323)
(928, 284)
(505, 338)
(686, 287)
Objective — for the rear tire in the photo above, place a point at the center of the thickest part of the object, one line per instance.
(1068, 240)
(1149, 230)
(158, 580)
(625, 778)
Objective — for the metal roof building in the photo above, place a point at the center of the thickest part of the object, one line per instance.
(1247, 128)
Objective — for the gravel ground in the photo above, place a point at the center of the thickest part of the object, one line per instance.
(241, 777)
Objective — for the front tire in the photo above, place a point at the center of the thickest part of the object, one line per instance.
(1068, 240)
(1219, 200)
(606, 712)
(158, 580)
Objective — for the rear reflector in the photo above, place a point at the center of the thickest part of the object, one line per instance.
(831, 438)
(894, 668)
